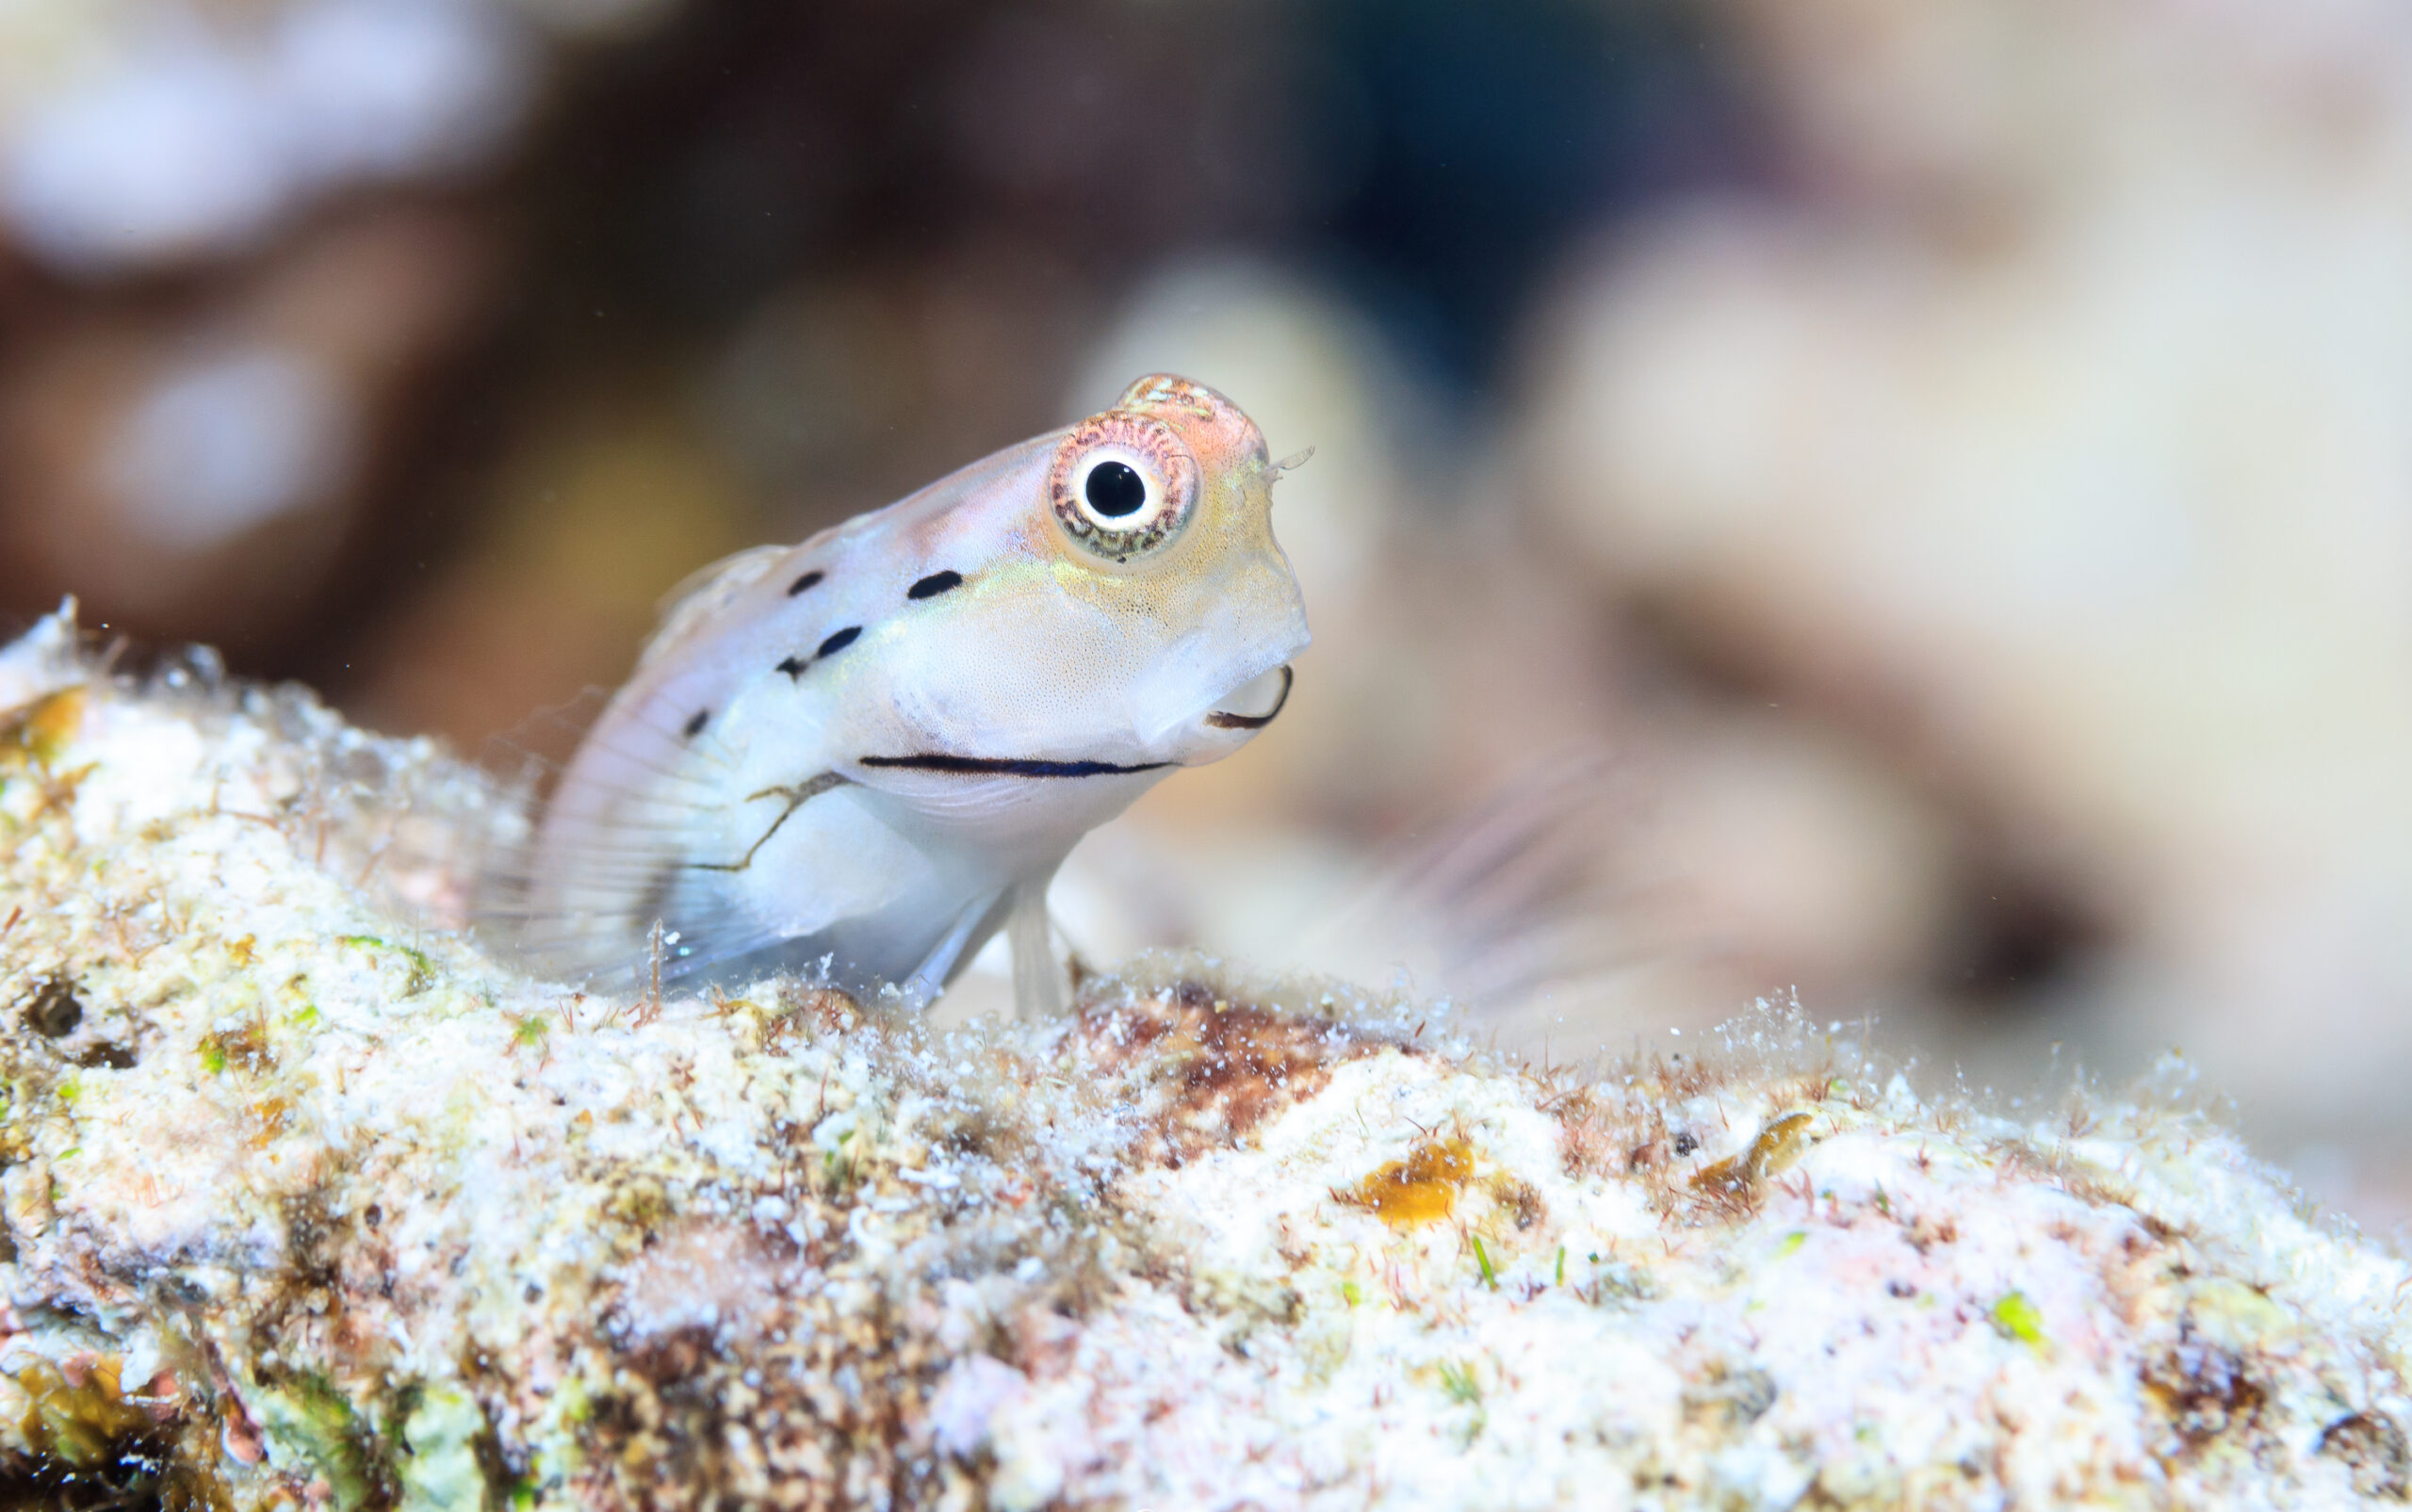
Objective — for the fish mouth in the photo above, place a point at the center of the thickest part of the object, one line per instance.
(1223, 720)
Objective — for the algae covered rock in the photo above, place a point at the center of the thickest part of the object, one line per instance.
(309, 1202)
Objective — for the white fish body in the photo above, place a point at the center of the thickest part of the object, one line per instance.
(856, 758)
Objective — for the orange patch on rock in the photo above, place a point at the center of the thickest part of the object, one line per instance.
(1420, 1188)
(36, 734)
(1777, 1146)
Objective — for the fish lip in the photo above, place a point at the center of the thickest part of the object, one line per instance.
(1221, 720)
(1193, 718)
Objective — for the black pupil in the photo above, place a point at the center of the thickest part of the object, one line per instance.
(1115, 490)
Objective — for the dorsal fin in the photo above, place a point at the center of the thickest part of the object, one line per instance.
(704, 592)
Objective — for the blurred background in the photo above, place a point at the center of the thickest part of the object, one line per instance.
(1907, 501)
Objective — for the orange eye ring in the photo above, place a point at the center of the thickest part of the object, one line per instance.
(1122, 485)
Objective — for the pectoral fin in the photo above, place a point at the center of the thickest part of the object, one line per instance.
(930, 978)
(1039, 991)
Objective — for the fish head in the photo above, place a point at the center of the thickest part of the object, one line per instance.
(1135, 606)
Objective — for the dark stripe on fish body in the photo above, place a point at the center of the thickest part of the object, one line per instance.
(1009, 765)
(839, 641)
(935, 584)
(809, 580)
(696, 721)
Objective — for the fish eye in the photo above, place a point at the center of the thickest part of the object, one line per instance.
(1123, 486)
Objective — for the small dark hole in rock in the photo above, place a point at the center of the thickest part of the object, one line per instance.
(54, 1011)
(2375, 1449)
(107, 1057)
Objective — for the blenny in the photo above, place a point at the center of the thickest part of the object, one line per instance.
(858, 757)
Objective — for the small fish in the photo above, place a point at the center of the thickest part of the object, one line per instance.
(858, 757)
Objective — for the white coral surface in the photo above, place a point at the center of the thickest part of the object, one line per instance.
(309, 1202)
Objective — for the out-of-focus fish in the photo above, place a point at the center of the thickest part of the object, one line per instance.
(860, 756)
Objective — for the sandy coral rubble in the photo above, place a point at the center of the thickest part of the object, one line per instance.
(307, 1205)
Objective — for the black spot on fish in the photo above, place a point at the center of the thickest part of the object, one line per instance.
(839, 641)
(792, 667)
(696, 721)
(808, 581)
(935, 584)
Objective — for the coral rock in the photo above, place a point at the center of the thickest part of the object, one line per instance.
(306, 1204)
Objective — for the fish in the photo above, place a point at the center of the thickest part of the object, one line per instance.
(857, 759)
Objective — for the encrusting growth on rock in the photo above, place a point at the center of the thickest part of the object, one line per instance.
(309, 1203)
